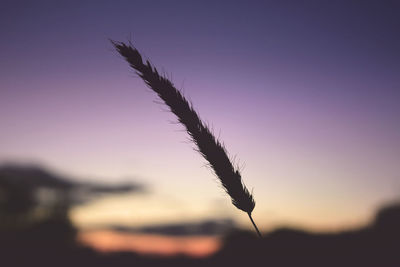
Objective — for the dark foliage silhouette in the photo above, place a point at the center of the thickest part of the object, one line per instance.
(208, 146)
(29, 194)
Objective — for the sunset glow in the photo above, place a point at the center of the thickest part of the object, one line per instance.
(109, 241)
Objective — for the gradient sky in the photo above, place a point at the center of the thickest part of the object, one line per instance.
(305, 94)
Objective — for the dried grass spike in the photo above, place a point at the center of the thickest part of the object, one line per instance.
(208, 146)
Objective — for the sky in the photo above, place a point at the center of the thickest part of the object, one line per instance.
(304, 96)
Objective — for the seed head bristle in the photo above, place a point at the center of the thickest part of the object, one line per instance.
(207, 145)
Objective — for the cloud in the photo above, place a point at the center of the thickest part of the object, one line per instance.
(203, 228)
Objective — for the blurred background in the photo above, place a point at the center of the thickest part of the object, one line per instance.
(303, 95)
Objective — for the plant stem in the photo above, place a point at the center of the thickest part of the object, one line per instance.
(254, 224)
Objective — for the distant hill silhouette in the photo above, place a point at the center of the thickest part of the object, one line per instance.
(50, 241)
(374, 245)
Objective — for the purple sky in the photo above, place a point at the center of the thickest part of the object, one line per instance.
(306, 95)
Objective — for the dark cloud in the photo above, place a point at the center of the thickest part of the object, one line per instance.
(206, 227)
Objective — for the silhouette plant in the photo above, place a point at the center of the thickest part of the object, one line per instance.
(207, 145)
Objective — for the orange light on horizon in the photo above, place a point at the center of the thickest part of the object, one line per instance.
(108, 241)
